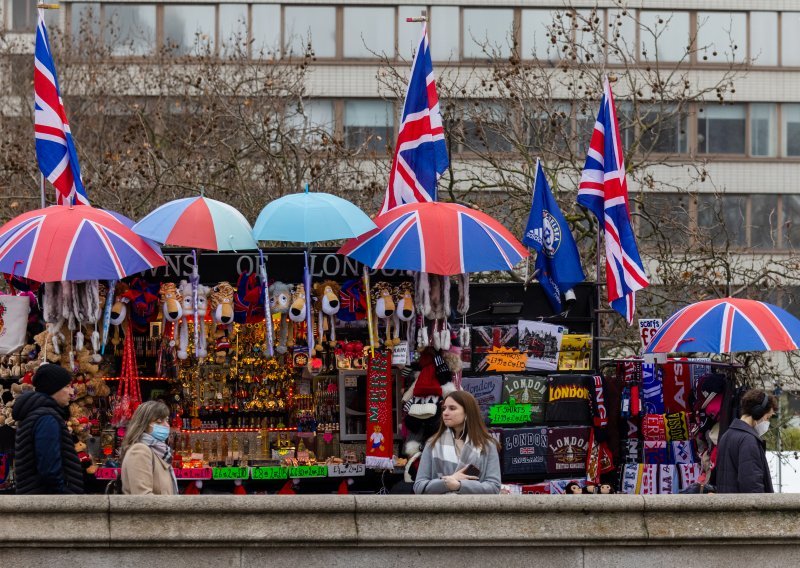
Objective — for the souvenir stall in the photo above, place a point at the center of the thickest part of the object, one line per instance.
(531, 372)
(671, 416)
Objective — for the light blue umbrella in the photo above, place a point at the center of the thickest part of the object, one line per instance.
(310, 217)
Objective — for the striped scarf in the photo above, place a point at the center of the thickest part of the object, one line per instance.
(163, 451)
(446, 461)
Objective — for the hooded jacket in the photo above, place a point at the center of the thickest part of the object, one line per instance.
(742, 461)
(45, 460)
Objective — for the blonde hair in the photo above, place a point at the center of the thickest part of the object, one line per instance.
(147, 413)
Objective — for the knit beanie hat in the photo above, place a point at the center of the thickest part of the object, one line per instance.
(49, 379)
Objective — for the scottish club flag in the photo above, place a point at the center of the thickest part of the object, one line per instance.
(557, 260)
(55, 149)
(420, 156)
(603, 190)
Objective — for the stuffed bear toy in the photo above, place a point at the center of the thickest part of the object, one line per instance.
(44, 343)
(86, 460)
(421, 402)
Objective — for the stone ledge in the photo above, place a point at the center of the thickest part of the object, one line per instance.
(397, 522)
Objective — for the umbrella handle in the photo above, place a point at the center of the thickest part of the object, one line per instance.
(369, 312)
(309, 319)
(267, 310)
(195, 278)
(107, 314)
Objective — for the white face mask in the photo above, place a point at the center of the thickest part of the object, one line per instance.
(762, 427)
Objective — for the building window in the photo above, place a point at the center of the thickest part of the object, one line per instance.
(539, 35)
(368, 122)
(23, 16)
(621, 35)
(721, 36)
(664, 35)
(189, 29)
(663, 130)
(790, 39)
(129, 29)
(791, 221)
(764, 38)
(266, 31)
(483, 126)
(487, 32)
(445, 43)
(763, 131)
(84, 21)
(548, 128)
(720, 130)
(408, 34)
(310, 120)
(790, 117)
(722, 219)
(368, 32)
(314, 24)
(589, 35)
(663, 218)
(763, 221)
(232, 29)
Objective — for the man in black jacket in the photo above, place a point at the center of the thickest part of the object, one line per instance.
(741, 458)
(45, 461)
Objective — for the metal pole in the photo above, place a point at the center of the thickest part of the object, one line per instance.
(597, 312)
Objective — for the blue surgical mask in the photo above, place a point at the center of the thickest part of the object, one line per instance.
(160, 432)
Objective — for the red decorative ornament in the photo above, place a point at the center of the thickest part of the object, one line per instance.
(129, 393)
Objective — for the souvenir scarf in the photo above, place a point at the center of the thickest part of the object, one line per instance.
(164, 452)
(446, 461)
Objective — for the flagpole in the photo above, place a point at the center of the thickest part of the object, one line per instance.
(42, 6)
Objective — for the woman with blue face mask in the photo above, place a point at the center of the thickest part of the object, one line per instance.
(146, 457)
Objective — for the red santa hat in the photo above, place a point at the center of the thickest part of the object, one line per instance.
(427, 384)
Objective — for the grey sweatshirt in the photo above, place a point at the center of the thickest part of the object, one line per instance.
(428, 481)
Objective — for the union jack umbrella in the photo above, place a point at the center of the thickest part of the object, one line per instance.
(439, 238)
(198, 222)
(61, 243)
(727, 325)
(55, 149)
(421, 152)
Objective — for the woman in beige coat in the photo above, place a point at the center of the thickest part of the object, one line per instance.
(146, 457)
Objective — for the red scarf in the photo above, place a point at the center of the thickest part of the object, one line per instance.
(380, 444)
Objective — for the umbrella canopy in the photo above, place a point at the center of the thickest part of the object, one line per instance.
(61, 243)
(310, 217)
(727, 325)
(198, 222)
(435, 237)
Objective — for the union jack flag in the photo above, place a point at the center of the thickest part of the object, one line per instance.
(55, 149)
(603, 189)
(421, 153)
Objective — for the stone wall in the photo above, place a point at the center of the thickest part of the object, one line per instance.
(332, 531)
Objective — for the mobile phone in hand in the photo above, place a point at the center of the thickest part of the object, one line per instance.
(472, 470)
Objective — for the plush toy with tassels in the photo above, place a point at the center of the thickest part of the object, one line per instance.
(297, 312)
(383, 307)
(326, 304)
(280, 300)
(404, 312)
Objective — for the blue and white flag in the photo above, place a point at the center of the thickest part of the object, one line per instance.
(558, 262)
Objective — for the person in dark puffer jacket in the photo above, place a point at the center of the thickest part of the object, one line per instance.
(45, 459)
(741, 458)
